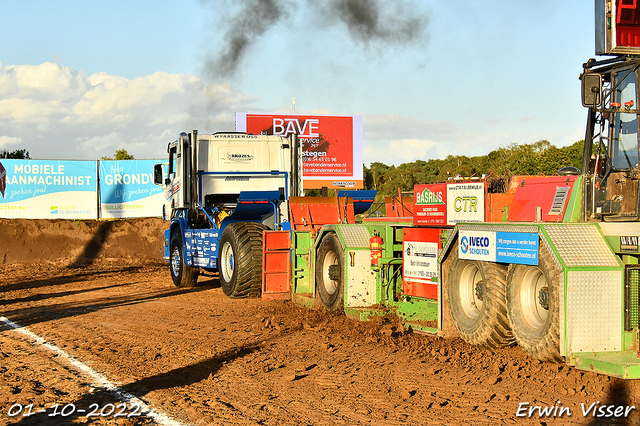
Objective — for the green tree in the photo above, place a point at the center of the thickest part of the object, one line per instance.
(525, 159)
(378, 172)
(540, 157)
(574, 152)
(552, 160)
(121, 154)
(496, 162)
(18, 153)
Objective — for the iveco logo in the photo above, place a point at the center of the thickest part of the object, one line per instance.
(471, 245)
(239, 157)
(480, 241)
(464, 245)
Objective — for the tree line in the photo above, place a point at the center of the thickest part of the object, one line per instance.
(18, 153)
(539, 158)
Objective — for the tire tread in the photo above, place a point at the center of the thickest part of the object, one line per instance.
(248, 237)
(492, 329)
(547, 347)
(331, 302)
(188, 277)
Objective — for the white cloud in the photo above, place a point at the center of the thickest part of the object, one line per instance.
(6, 141)
(54, 111)
(62, 113)
(528, 118)
(394, 139)
(95, 146)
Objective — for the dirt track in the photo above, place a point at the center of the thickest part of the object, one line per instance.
(101, 294)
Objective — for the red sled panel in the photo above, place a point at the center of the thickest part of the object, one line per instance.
(276, 265)
(421, 247)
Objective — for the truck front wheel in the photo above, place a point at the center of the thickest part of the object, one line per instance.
(182, 275)
(533, 307)
(477, 301)
(330, 273)
(240, 259)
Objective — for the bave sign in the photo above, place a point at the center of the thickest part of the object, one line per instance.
(332, 146)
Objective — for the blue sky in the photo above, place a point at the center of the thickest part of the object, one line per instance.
(80, 79)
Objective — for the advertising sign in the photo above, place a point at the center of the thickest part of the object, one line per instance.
(445, 204)
(201, 246)
(127, 189)
(477, 245)
(420, 250)
(49, 189)
(517, 247)
(465, 202)
(430, 204)
(420, 260)
(504, 247)
(332, 146)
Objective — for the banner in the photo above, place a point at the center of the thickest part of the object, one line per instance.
(332, 146)
(496, 246)
(421, 248)
(465, 202)
(127, 189)
(48, 189)
(430, 204)
(445, 204)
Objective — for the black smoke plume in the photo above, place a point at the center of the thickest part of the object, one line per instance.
(254, 19)
(372, 21)
(369, 22)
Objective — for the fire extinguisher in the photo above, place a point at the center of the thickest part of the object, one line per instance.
(375, 245)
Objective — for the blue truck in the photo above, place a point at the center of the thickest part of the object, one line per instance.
(222, 191)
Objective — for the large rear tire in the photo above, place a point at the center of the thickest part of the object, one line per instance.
(533, 306)
(330, 273)
(477, 302)
(240, 259)
(183, 276)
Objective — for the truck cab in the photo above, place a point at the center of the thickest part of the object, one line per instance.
(610, 161)
(222, 191)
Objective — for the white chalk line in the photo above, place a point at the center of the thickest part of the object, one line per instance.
(99, 381)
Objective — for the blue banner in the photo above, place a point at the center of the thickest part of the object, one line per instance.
(517, 247)
(49, 189)
(127, 189)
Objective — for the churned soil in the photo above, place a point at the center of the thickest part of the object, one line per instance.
(99, 292)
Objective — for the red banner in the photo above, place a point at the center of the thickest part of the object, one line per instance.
(430, 204)
(331, 145)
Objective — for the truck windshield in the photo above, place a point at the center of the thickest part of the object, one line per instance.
(624, 153)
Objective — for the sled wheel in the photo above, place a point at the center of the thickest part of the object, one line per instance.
(477, 301)
(533, 307)
(330, 273)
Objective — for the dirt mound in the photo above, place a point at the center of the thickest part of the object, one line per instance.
(82, 242)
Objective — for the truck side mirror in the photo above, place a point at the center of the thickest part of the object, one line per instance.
(157, 174)
(591, 90)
